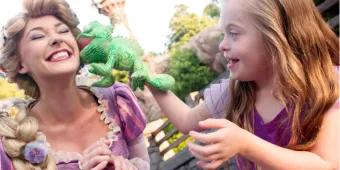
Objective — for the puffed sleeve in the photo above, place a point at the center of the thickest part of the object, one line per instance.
(5, 162)
(131, 115)
(215, 98)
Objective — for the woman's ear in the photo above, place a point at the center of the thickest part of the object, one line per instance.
(22, 68)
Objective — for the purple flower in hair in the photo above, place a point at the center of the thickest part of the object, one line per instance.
(35, 152)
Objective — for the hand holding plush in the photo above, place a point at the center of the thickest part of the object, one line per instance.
(220, 145)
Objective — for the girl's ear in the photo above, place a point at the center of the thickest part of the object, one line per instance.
(22, 68)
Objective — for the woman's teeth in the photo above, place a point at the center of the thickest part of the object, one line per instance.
(59, 56)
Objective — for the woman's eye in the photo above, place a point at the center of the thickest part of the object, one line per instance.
(37, 36)
(64, 30)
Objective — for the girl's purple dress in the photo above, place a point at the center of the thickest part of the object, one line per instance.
(119, 109)
(276, 131)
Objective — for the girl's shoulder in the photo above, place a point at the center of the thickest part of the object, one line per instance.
(215, 97)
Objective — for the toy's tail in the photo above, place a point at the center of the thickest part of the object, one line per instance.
(162, 82)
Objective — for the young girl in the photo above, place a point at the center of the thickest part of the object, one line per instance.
(280, 108)
(64, 126)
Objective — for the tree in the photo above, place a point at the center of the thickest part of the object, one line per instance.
(185, 25)
(212, 10)
(190, 74)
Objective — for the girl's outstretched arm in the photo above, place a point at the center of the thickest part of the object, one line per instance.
(181, 115)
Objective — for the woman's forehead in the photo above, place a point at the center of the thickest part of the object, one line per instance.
(42, 21)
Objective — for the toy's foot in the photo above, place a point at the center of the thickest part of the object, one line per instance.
(104, 82)
(99, 69)
(162, 82)
(138, 80)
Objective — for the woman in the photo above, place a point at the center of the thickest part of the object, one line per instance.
(65, 126)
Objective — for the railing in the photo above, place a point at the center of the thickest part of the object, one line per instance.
(161, 152)
(330, 8)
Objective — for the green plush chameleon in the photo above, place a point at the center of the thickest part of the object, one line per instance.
(104, 53)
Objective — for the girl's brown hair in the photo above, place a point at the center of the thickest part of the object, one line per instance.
(304, 51)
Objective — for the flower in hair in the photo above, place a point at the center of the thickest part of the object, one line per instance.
(35, 152)
(13, 112)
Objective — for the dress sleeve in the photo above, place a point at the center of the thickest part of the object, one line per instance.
(131, 115)
(5, 162)
(215, 98)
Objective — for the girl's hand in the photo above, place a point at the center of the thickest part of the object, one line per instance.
(220, 145)
(120, 163)
(96, 156)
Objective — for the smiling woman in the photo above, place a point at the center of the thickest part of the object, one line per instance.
(58, 56)
(40, 54)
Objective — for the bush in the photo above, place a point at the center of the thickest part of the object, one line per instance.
(190, 74)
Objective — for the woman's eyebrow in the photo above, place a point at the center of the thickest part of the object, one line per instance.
(59, 24)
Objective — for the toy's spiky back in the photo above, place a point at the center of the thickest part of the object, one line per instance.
(128, 43)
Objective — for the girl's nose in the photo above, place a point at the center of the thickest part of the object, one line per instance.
(224, 46)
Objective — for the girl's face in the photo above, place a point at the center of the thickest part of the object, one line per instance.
(243, 44)
(48, 48)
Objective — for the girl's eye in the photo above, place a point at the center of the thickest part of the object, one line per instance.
(232, 34)
(37, 36)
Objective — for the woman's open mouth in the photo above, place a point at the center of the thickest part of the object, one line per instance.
(59, 56)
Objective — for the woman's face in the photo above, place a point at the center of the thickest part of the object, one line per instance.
(47, 48)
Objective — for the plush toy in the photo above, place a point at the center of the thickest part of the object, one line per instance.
(104, 53)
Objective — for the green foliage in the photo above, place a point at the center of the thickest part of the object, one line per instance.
(176, 136)
(190, 74)
(185, 25)
(9, 90)
(212, 10)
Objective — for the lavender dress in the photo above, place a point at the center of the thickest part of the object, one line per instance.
(276, 131)
(119, 109)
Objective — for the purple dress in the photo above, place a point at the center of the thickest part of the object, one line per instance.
(276, 131)
(119, 109)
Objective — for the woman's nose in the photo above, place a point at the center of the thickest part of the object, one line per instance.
(55, 41)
